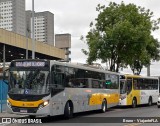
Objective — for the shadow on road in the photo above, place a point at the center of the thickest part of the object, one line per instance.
(77, 116)
(80, 116)
(130, 107)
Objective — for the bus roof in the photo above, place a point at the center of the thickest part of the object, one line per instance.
(80, 66)
(138, 76)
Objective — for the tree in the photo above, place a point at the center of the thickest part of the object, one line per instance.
(122, 36)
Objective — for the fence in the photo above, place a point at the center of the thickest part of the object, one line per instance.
(3, 95)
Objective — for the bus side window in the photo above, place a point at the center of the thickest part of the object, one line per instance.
(70, 84)
(58, 79)
(135, 84)
(83, 83)
(95, 84)
(129, 86)
(102, 84)
(48, 81)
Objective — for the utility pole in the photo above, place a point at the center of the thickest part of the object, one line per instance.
(33, 41)
(4, 57)
(27, 42)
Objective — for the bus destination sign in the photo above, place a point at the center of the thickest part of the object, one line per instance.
(30, 64)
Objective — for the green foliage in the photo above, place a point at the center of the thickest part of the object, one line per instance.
(122, 36)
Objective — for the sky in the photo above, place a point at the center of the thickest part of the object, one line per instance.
(74, 17)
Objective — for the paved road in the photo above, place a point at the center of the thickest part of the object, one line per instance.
(115, 115)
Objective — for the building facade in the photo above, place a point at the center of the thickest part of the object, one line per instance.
(12, 16)
(63, 41)
(43, 26)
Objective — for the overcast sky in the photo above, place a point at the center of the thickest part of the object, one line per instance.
(74, 17)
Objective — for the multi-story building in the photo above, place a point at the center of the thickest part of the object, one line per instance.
(28, 23)
(63, 41)
(12, 16)
(43, 26)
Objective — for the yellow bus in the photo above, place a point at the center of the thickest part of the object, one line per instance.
(136, 90)
(48, 88)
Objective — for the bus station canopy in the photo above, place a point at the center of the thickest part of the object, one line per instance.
(16, 45)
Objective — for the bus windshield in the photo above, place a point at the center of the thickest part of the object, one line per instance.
(123, 87)
(29, 82)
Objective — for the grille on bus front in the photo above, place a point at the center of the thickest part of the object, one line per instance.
(28, 110)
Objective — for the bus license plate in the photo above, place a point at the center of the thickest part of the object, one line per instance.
(23, 111)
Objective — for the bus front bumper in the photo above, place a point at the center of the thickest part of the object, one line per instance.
(122, 102)
(45, 111)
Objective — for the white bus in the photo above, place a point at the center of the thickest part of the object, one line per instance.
(48, 88)
(136, 90)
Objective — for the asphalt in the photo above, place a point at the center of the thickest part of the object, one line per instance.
(5, 114)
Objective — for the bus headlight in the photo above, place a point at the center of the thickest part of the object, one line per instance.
(45, 103)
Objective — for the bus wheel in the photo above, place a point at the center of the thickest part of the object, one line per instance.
(104, 106)
(134, 103)
(68, 110)
(150, 101)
